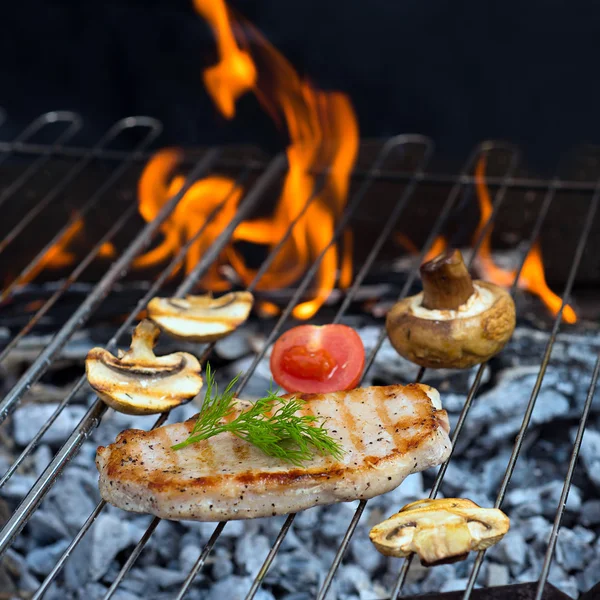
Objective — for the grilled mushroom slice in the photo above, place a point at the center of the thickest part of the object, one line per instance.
(454, 323)
(138, 382)
(201, 318)
(440, 531)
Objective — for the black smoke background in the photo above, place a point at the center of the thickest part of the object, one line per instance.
(459, 71)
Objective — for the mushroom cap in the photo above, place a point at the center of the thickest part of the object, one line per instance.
(201, 318)
(439, 531)
(138, 382)
(453, 339)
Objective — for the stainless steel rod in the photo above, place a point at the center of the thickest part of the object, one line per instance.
(393, 219)
(74, 121)
(538, 383)
(154, 128)
(29, 504)
(250, 201)
(562, 503)
(102, 289)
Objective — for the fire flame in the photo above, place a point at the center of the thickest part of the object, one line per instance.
(235, 73)
(157, 184)
(532, 278)
(323, 133)
(438, 246)
(58, 256)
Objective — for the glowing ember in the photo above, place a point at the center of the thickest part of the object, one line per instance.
(107, 250)
(532, 277)
(323, 134)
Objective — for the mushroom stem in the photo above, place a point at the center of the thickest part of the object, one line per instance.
(446, 281)
(143, 340)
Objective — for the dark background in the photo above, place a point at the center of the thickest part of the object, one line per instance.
(459, 71)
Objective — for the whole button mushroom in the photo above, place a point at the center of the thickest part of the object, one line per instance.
(454, 323)
(440, 531)
(138, 382)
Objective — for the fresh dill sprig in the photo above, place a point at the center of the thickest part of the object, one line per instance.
(270, 424)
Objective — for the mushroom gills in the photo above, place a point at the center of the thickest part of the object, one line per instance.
(440, 531)
(201, 318)
(138, 381)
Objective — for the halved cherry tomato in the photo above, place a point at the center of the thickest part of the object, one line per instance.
(313, 359)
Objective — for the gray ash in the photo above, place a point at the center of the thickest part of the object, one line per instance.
(475, 472)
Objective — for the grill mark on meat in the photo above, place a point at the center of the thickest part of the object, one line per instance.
(209, 480)
(241, 450)
(208, 453)
(349, 422)
(394, 432)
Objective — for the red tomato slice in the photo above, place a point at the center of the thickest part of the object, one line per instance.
(313, 359)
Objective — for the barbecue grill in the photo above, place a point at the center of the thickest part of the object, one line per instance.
(406, 177)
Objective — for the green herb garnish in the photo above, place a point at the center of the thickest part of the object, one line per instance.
(269, 424)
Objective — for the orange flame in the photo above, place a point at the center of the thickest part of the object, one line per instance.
(323, 135)
(235, 73)
(157, 184)
(57, 256)
(438, 246)
(532, 278)
(107, 250)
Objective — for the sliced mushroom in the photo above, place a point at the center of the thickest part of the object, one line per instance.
(138, 382)
(440, 531)
(455, 322)
(201, 318)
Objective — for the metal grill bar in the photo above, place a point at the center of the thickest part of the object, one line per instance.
(353, 205)
(154, 128)
(392, 220)
(74, 121)
(72, 278)
(177, 260)
(94, 414)
(91, 419)
(475, 386)
(102, 289)
(538, 384)
(399, 176)
(65, 555)
(132, 558)
(201, 560)
(562, 503)
(443, 216)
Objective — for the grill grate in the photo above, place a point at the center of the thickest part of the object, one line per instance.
(269, 174)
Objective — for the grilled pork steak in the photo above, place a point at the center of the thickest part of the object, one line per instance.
(386, 433)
